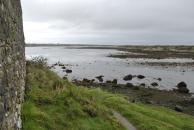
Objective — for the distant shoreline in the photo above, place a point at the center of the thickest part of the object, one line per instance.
(98, 45)
(134, 51)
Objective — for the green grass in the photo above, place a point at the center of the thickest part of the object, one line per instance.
(54, 104)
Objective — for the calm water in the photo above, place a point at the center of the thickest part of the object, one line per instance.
(89, 63)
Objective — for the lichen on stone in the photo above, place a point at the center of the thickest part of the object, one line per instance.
(12, 64)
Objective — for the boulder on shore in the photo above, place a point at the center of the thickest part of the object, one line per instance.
(100, 78)
(140, 77)
(128, 77)
(68, 71)
(92, 81)
(182, 87)
(114, 81)
(181, 84)
(108, 81)
(86, 80)
(63, 67)
(61, 64)
(55, 64)
(154, 84)
(142, 84)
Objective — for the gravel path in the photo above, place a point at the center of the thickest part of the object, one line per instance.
(123, 121)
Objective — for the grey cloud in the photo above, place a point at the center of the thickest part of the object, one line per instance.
(123, 21)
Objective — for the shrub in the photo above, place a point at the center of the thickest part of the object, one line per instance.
(39, 62)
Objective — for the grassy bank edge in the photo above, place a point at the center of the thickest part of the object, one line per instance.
(52, 103)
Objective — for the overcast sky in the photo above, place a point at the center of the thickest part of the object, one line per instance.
(109, 21)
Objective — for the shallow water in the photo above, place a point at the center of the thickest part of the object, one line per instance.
(89, 63)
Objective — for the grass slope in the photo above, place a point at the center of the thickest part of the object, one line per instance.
(54, 104)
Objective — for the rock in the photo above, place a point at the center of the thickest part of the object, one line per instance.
(129, 85)
(92, 81)
(128, 77)
(182, 87)
(68, 71)
(140, 77)
(143, 85)
(51, 67)
(100, 78)
(65, 78)
(159, 79)
(75, 81)
(181, 84)
(55, 64)
(178, 108)
(63, 67)
(86, 80)
(108, 82)
(114, 81)
(154, 84)
(191, 101)
(183, 90)
(60, 64)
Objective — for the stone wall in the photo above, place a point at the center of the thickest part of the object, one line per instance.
(12, 64)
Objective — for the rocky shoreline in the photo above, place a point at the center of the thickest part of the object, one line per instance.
(178, 99)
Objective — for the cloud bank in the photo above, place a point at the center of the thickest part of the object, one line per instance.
(109, 21)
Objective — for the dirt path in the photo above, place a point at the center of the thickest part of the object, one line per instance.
(124, 121)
